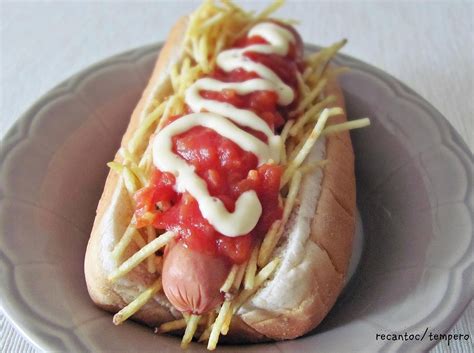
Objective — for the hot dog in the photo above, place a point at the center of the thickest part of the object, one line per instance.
(229, 209)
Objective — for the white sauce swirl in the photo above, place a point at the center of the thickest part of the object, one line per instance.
(222, 118)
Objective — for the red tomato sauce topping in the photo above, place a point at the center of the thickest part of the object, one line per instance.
(227, 169)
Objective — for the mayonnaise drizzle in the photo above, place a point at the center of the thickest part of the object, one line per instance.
(222, 118)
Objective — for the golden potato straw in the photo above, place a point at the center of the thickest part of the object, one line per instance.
(137, 304)
(349, 125)
(129, 180)
(286, 129)
(141, 255)
(239, 276)
(205, 335)
(314, 111)
(151, 235)
(302, 87)
(283, 137)
(127, 156)
(227, 321)
(264, 14)
(251, 270)
(215, 19)
(319, 68)
(267, 244)
(303, 153)
(137, 238)
(190, 330)
(291, 198)
(138, 137)
(139, 175)
(301, 137)
(261, 277)
(216, 328)
(130, 233)
(319, 60)
(174, 78)
(171, 326)
(186, 316)
(230, 279)
(146, 159)
(309, 98)
(270, 242)
(115, 166)
(203, 50)
(211, 317)
(310, 166)
(168, 104)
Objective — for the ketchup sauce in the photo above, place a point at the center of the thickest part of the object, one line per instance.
(227, 169)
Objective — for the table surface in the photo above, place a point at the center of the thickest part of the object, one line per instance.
(427, 45)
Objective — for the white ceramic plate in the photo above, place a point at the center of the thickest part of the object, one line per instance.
(415, 197)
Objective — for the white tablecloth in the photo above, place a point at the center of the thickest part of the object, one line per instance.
(427, 45)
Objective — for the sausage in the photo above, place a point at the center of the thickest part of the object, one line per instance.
(192, 279)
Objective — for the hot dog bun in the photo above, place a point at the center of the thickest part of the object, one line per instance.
(315, 252)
